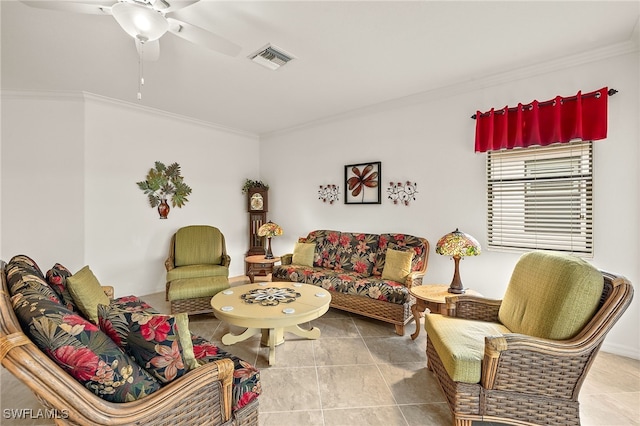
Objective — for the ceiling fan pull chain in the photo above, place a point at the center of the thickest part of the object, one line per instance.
(140, 71)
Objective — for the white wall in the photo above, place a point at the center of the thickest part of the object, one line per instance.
(69, 168)
(430, 140)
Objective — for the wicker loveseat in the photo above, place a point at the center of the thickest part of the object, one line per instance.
(352, 267)
(77, 371)
(522, 360)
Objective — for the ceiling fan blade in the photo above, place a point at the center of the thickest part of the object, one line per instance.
(87, 7)
(203, 37)
(150, 50)
(175, 5)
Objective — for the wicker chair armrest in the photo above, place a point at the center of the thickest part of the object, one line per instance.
(414, 278)
(474, 307)
(226, 260)
(286, 259)
(108, 290)
(170, 263)
(531, 364)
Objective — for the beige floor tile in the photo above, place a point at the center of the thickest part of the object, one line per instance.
(393, 350)
(612, 409)
(291, 418)
(368, 416)
(289, 389)
(411, 383)
(290, 354)
(336, 327)
(436, 414)
(338, 351)
(353, 386)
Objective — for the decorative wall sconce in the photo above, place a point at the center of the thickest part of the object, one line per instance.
(329, 193)
(399, 192)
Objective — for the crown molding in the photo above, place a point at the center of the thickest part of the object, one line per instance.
(51, 95)
(456, 88)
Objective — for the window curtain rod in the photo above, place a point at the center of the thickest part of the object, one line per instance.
(611, 92)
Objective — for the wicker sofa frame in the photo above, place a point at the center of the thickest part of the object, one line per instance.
(200, 396)
(527, 380)
(397, 314)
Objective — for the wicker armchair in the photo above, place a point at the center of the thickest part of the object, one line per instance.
(197, 268)
(201, 396)
(527, 380)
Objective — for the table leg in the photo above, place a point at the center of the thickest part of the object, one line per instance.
(314, 333)
(230, 339)
(251, 277)
(417, 309)
(272, 346)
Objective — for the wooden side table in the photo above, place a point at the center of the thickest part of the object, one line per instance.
(431, 296)
(258, 265)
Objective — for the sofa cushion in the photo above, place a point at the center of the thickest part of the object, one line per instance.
(57, 279)
(402, 242)
(87, 293)
(246, 378)
(460, 344)
(356, 253)
(24, 275)
(345, 282)
(397, 265)
(551, 295)
(303, 254)
(83, 350)
(157, 342)
(326, 247)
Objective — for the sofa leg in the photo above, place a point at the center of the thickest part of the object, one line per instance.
(400, 329)
(461, 422)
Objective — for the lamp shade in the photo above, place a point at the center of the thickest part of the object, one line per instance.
(458, 244)
(140, 22)
(269, 229)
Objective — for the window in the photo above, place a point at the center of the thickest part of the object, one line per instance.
(541, 198)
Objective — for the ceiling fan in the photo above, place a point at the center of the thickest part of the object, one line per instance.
(146, 21)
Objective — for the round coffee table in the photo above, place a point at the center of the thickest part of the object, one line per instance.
(271, 308)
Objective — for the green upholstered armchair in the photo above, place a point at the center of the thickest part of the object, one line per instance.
(197, 268)
(522, 360)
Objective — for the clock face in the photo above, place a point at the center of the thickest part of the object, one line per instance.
(257, 202)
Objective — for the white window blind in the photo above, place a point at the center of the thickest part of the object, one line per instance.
(541, 198)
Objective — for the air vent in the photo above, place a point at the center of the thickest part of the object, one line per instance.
(271, 57)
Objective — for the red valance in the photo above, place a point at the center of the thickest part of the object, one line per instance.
(583, 116)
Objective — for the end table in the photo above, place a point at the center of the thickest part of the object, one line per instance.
(431, 296)
(258, 265)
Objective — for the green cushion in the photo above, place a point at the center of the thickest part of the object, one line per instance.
(198, 244)
(195, 288)
(197, 271)
(460, 344)
(397, 265)
(551, 295)
(303, 254)
(87, 293)
(184, 334)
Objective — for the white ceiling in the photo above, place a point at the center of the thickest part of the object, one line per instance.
(350, 55)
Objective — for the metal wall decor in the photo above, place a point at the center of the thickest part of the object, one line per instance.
(402, 193)
(362, 183)
(329, 193)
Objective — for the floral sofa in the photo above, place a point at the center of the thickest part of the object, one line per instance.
(356, 269)
(134, 366)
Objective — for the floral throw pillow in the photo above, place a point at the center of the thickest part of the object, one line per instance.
(153, 340)
(57, 279)
(82, 350)
(24, 276)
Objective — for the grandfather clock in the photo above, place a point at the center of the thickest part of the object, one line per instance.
(257, 206)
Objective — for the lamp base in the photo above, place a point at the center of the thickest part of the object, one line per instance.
(456, 283)
(269, 254)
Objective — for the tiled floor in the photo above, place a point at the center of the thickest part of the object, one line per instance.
(359, 372)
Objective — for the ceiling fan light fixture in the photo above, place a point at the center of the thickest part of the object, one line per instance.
(140, 22)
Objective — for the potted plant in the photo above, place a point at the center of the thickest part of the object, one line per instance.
(163, 182)
(248, 184)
